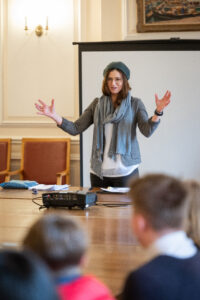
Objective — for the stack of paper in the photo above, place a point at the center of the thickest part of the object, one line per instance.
(111, 189)
(49, 187)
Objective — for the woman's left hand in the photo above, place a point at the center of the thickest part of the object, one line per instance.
(163, 102)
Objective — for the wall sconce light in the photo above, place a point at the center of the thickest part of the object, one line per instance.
(39, 29)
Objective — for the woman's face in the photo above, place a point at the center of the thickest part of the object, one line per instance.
(115, 82)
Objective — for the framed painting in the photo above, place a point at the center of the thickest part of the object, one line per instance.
(168, 15)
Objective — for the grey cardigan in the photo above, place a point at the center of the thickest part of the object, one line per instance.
(139, 118)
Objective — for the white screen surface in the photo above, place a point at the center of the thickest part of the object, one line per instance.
(174, 148)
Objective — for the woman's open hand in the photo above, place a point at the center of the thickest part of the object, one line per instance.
(48, 111)
(163, 102)
(44, 109)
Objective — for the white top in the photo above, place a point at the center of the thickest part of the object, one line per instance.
(110, 167)
(176, 244)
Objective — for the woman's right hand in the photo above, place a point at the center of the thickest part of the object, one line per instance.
(48, 111)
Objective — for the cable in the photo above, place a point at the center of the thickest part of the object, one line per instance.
(40, 206)
(114, 204)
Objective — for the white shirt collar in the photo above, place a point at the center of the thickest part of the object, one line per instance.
(175, 244)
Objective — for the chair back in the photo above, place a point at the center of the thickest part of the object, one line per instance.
(43, 158)
(5, 146)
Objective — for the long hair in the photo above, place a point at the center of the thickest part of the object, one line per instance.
(125, 87)
(192, 223)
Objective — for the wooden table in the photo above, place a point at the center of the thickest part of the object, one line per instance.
(113, 247)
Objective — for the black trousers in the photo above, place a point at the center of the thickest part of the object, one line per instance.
(112, 181)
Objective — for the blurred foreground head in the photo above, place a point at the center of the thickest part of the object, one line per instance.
(193, 216)
(23, 276)
(161, 200)
(58, 239)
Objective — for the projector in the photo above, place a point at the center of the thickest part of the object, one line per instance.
(81, 199)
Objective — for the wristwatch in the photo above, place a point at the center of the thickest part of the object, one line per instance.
(159, 114)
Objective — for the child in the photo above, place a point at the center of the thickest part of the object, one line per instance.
(173, 271)
(23, 276)
(61, 242)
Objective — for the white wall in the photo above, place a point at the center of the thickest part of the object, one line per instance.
(37, 67)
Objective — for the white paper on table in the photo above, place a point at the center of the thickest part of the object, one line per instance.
(49, 187)
(111, 189)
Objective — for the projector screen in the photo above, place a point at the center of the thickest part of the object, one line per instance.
(156, 66)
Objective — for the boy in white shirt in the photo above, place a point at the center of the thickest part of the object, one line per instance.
(160, 206)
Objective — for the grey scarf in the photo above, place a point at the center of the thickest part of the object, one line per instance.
(121, 118)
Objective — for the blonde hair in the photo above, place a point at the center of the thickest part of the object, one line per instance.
(192, 224)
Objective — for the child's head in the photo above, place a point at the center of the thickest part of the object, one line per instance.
(161, 199)
(193, 217)
(23, 276)
(58, 239)
(159, 206)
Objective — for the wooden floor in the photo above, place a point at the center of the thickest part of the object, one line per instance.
(113, 248)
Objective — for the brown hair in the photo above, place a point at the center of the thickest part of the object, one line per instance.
(125, 87)
(58, 239)
(192, 223)
(161, 199)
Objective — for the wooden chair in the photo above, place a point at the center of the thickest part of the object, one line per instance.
(5, 146)
(46, 160)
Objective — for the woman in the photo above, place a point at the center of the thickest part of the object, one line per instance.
(115, 115)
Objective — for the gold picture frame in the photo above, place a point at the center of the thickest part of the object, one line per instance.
(168, 15)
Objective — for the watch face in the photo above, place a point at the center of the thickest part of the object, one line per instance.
(158, 113)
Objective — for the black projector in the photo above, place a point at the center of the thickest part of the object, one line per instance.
(81, 199)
